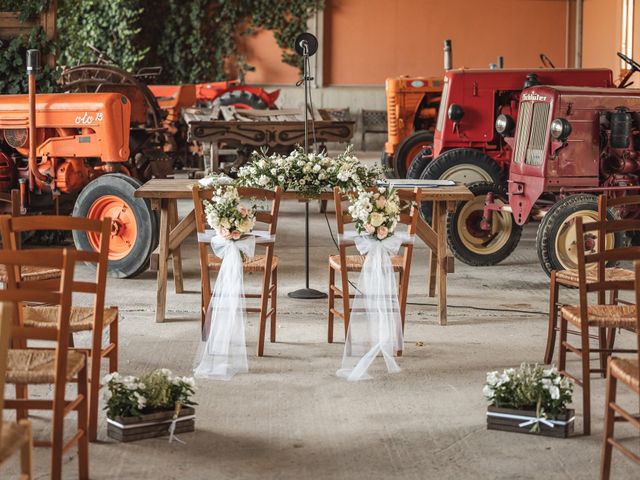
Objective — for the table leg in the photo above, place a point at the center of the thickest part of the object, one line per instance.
(433, 254)
(175, 253)
(161, 300)
(441, 231)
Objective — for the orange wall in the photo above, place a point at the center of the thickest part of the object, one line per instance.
(369, 40)
(602, 33)
(262, 51)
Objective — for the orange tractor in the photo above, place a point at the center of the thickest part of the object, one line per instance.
(71, 153)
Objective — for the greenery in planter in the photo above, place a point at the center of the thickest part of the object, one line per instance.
(131, 396)
(529, 387)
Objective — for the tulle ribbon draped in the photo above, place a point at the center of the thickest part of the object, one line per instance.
(223, 354)
(375, 326)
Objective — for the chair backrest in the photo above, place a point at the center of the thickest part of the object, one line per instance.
(409, 200)
(600, 258)
(99, 231)
(18, 292)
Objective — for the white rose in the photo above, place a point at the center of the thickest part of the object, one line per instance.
(377, 219)
(225, 223)
(555, 392)
(263, 180)
(488, 392)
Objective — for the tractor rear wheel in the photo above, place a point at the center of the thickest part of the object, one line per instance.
(134, 231)
(469, 242)
(241, 98)
(556, 240)
(419, 163)
(408, 149)
(464, 165)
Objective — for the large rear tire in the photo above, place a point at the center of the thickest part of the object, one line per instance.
(419, 163)
(241, 98)
(408, 149)
(134, 232)
(556, 241)
(465, 165)
(473, 245)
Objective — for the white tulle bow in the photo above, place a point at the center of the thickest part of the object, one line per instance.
(224, 352)
(375, 326)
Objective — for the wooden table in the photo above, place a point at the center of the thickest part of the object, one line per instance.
(165, 193)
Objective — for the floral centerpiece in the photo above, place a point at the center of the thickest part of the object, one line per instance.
(376, 213)
(145, 406)
(310, 174)
(227, 215)
(529, 396)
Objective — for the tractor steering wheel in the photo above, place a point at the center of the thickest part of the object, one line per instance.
(634, 65)
(103, 58)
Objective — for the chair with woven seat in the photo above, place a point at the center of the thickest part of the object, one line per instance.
(569, 278)
(267, 263)
(586, 316)
(13, 436)
(343, 264)
(95, 319)
(627, 371)
(56, 366)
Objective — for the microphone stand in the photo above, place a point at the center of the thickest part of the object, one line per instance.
(306, 293)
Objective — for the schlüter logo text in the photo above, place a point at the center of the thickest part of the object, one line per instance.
(533, 97)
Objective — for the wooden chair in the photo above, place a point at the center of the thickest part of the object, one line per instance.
(569, 278)
(267, 264)
(54, 366)
(626, 370)
(343, 263)
(13, 436)
(93, 319)
(585, 316)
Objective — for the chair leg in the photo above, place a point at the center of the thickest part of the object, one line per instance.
(26, 453)
(553, 319)
(264, 297)
(83, 423)
(113, 338)
(602, 355)
(332, 296)
(22, 392)
(274, 296)
(57, 435)
(94, 393)
(345, 300)
(609, 422)
(586, 383)
(562, 354)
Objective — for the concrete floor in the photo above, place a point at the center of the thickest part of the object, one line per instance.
(292, 418)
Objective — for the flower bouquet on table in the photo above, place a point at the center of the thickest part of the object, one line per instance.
(152, 405)
(529, 399)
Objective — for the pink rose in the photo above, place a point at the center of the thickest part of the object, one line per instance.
(224, 233)
(383, 232)
(370, 229)
(243, 211)
(380, 202)
(235, 234)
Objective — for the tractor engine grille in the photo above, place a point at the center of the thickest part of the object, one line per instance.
(392, 119)
(531, 134)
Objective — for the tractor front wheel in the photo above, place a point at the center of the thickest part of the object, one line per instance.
(408, 149)
(556, 240)
(134, 228)
(469, 242)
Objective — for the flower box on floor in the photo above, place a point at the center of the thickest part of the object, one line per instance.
(524, 421)
(150, 425)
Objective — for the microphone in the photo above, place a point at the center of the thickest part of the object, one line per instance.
(306, 44)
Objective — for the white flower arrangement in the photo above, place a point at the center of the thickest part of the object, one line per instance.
(529, 387)
(227, 216)
(376, 212)
(159, 390)
(310, 174)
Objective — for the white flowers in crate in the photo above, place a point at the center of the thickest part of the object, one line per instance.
(159, 390)
(376, 212)
(529, 387)
(227, 216)
(310, 174)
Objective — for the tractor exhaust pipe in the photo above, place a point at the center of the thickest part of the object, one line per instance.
(33, 65)
(448, 55)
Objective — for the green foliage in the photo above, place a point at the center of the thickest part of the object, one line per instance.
(13, 73)
(27, 8)
(112, 26)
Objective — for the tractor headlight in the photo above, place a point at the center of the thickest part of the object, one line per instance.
(455, 112)
(504, 124)
(560, 129)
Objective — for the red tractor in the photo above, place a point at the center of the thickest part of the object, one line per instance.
(570, 144)
(71, 153)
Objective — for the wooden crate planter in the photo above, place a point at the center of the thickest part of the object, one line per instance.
(562, 429)
(150, 425)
